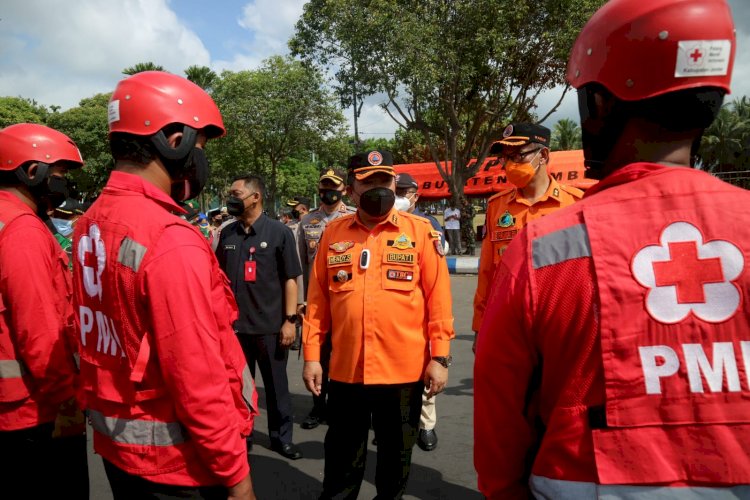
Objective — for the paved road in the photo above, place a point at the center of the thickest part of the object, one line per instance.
(445, 473)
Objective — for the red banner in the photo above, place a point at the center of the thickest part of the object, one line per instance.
(565, 166)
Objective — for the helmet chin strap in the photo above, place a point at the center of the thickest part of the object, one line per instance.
(175, 159)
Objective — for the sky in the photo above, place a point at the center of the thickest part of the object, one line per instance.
(58, 52)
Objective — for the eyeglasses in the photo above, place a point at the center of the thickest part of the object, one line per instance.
(521, 156)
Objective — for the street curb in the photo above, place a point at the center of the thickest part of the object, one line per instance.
(463, 265)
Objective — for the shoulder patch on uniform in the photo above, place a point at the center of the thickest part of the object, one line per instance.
(435, 235)
(314, 221)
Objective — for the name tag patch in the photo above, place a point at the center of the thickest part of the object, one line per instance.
(395, 274)
(400, 258)
(229, 247)
(505, 235)
(339, 260)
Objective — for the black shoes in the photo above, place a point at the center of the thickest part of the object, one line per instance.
(287, 450)
(427, 439)
(312, 421)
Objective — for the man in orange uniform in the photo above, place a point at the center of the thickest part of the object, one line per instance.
(613, 357)
(37, 340)
(380, 287)
(525, 150)
(169, 394)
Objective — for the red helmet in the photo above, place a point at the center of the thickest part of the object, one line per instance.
(147, 102)
(644, 48)
(32, 142)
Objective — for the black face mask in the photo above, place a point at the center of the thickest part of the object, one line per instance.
(193, 177)
(329, 196)
(57, 190)
(236, 206)
(377, 202)
(295, 214)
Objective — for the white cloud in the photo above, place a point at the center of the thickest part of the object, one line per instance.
(58, 52)
(270, 24)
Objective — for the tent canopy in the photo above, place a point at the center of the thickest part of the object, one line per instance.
(565, 166)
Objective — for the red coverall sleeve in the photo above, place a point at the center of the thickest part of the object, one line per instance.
(177, 288)
(317, 320)
(505, 360)
(27, 266)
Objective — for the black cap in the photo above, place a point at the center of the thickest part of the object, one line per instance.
(405, 181)
(518, 134)
(363, 165)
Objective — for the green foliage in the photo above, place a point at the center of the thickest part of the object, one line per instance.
(86, 124)
(202, 76)
(725, 146)
(280, 110)
(566, 135)
(141, 67)
(15, 110)
(455, 71)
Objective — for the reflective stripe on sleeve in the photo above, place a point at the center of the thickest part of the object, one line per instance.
(543, 487)
(142, 432)
(565, 244)
(10, 368)
(131, 254)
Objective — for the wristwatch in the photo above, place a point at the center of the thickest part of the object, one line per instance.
(446, 361)
(292, 318)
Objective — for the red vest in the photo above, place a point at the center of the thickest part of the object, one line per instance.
(129, 406)
(34, 399)
(670, 255)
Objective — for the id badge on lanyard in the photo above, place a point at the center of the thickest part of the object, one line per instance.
(250, 267)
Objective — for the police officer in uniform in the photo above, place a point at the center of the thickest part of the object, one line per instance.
(300, 207)
(331, 192)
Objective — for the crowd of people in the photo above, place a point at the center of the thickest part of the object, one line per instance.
(620, 369)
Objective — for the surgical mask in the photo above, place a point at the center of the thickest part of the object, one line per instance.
(193, 178)
(520, 174)
(330, 196)
(402, 203)
(377, 202)
(64, 227)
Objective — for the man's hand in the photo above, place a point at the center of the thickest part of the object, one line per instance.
(312, 375)
(435, 378)
(287, 334)
(242, 490)
(301, 310)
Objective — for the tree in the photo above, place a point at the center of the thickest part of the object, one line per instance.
(202, 76)
(725, 145)
(456, 71)
(141, 67)
(271, 114)
(21, 110)
(86, 124)
(566, 135)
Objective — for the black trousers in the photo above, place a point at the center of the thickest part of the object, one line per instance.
(36, 465)
(127, 487)
(394, 413)
(319, 402)
(271, 358)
